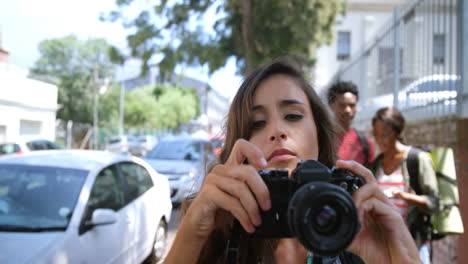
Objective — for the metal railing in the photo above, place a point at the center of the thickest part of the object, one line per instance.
(412, 64)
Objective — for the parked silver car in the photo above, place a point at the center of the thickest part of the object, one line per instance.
(121, 144)
(185, 161)
(143, 145)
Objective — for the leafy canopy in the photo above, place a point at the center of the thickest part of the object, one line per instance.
(163, 106)
(78, 68)
(169, 33)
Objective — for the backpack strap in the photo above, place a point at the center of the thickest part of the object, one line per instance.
(365, 146)
(412, 164)
(375, 164)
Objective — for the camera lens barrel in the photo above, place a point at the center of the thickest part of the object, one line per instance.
(323, 217)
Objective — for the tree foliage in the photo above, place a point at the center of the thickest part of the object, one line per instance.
(79, 67)
(173, 106)
(253, 31)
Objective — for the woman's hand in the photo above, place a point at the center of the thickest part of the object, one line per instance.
(232, 187)
(410, 198)
(384, 237)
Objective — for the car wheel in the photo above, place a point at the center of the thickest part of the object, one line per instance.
(159, 244)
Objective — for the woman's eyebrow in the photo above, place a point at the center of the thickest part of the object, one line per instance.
(257, 107)
(284, 102)
(290, 102)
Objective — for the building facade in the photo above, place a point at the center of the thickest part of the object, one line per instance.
(27, 107)
(354, 30)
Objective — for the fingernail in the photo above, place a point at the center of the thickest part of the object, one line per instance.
(263, 162)
(267, 205)
(258, 220)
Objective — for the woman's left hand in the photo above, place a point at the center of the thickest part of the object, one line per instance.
(384, 237)
(410, 198)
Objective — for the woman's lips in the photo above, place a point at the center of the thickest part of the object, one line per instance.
(281, 155)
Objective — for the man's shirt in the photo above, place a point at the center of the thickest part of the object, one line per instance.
(351, 148)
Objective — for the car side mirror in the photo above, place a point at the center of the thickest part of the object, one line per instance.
(188, 156)
(102, 217)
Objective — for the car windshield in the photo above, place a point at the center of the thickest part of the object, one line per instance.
(9, 148)
(435, 85)
(36, 198)
(176, 150)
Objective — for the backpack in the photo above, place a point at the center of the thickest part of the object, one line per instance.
(447, 220)
(365, 147)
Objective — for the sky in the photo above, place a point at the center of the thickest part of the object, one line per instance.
(25, 23)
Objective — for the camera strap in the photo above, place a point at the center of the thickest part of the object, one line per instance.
(233, 243)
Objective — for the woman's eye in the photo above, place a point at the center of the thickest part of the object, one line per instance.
(293, 117)
(258, 124)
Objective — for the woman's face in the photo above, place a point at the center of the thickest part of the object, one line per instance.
(384, 135)
(283, 125)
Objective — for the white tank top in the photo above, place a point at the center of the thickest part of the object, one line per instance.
(389, 183)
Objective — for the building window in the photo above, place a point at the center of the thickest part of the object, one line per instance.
(344, 45)
(438, 49)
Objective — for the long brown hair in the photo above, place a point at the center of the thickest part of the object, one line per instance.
(239, 126)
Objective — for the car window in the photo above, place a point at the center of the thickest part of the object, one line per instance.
(114, 140)
(9, 148)
(36, 145)
(106, 192)
(137, 178)
(52, 145)
(176, 150)
(38, 197)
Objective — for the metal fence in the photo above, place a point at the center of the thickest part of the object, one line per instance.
(411, 64)
(80, 136)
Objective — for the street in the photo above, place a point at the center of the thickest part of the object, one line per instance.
(172, 228)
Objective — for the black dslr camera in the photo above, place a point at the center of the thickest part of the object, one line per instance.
(314, 205)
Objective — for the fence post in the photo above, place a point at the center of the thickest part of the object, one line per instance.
(69, 134)
(396, 56)
(462, 89)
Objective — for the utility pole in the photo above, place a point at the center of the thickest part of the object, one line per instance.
(95, 109)
(122, 105)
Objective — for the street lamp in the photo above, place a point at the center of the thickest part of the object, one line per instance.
(102, 90)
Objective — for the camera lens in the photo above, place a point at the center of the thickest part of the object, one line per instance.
(323, 217)
(326, 219)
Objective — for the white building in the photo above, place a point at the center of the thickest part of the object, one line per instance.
(27, 107)
(362, 21)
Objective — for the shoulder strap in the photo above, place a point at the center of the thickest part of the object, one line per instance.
(365, 146)
(412, 164)
(375, 164)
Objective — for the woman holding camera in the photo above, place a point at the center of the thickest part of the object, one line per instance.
(275, 119)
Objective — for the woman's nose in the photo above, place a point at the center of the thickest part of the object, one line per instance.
(282, 136)
(278, 133)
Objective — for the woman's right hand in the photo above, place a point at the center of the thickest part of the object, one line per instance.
(232, 187)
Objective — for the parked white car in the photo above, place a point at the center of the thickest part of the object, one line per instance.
(121, 144)
(144, 145)
(438, 91)
(81, 207)
(20, 147)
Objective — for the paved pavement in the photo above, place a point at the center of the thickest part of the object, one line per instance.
(172, 228)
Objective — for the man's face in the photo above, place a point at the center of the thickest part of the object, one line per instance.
(344, 108)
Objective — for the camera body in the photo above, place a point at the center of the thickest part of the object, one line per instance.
(314, 205)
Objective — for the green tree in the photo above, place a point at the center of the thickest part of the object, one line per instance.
(163, 106)
(77, 66)
(175, 108)
(253, 31)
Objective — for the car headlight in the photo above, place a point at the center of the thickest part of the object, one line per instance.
(189, 177)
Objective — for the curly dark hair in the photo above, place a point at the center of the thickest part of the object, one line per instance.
(341, 88)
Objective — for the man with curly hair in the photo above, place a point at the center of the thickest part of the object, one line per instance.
(354, 145)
